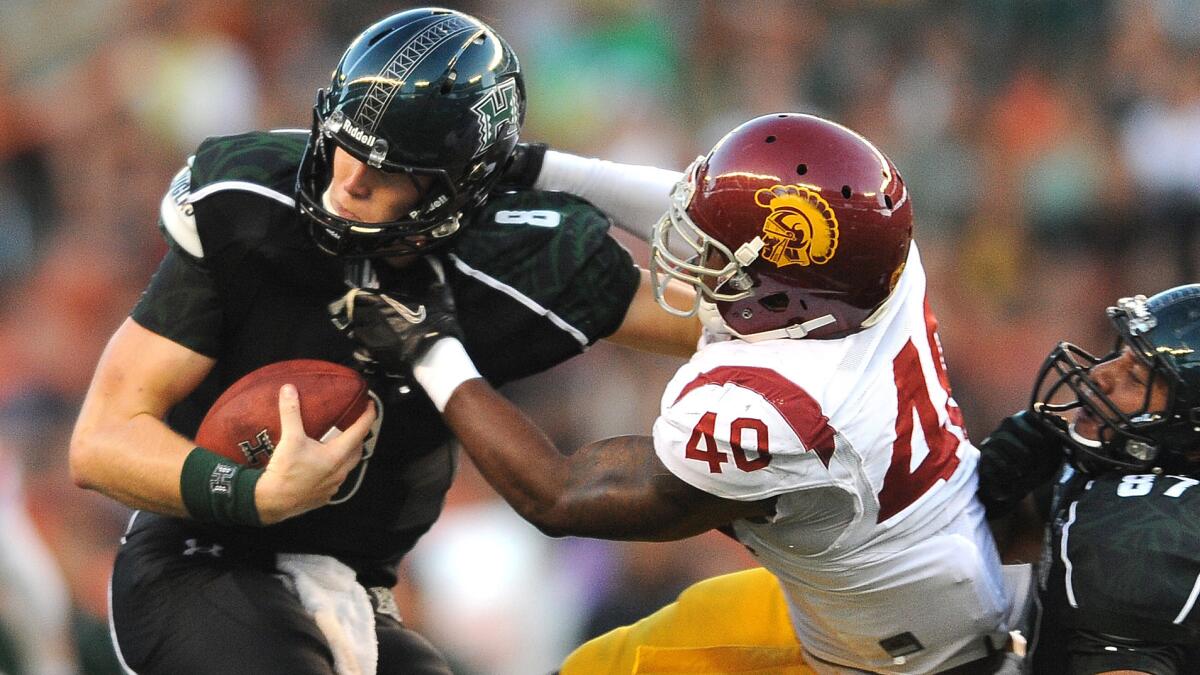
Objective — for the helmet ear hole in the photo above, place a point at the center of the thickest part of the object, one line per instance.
(775, 302)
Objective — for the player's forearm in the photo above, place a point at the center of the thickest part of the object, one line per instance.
(511, 452)
(121, 446)
(647, 327)
(136, 462)
(604, 490)
(586, 494)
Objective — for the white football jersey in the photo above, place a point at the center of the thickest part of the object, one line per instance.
(878, 540)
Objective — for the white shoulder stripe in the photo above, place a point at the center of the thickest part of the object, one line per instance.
(1062, 553)
(242, 185)
(521, 298)
(181, 225)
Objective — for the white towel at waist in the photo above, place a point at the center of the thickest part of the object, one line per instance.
(330, 592)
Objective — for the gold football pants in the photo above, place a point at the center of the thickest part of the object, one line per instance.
(736, 623)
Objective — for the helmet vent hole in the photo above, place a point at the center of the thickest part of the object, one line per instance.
(846, 191)
(775, 302)
(480, 39)
(770, 139)
(887, 200)
(377, 37)
(801, 169)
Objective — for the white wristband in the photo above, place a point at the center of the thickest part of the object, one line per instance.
(445, 366)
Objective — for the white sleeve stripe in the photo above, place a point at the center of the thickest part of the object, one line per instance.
(242, 185)
(521, 298)
(1191, 602)
(182, 228)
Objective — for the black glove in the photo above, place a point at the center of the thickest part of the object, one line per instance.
(1020, 455)
(524, 166)
(397, 328)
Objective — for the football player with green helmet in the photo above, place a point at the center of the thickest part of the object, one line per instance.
(222, 566)
(1120, 566)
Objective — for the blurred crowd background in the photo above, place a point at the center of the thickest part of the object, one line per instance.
(1052, 148)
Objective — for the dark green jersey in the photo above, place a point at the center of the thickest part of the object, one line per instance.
(1122, 575)
(536, 280)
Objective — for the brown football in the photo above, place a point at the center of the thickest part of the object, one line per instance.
(243, 423)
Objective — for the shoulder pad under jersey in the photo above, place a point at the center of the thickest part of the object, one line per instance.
(235, 193)
(257, 161)
(262, 163)
(512, 224)
(553, 252)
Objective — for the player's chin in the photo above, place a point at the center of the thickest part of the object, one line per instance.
(402, 260)
(1086, 425)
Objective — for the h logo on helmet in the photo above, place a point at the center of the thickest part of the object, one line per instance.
(499, 114)
(801, 229)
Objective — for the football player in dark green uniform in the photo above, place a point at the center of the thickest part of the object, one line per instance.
(1120, 570)
(223, 568)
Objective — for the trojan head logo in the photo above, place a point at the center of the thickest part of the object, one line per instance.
(801, 229)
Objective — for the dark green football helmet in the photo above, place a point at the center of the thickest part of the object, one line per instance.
(431, 93)
(1164, 332)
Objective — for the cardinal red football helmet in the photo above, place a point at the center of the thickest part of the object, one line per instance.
(792, 226)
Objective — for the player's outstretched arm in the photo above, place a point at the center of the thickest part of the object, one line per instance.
(634, 196)
(615, 489)
(611, 489)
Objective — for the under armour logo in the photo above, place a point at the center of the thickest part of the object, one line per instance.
(194, 548)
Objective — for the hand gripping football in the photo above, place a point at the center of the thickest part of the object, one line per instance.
(243, 423)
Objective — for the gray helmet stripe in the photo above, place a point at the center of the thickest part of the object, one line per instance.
(402, 63)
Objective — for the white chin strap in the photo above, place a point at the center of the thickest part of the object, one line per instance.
(714, 323)
(1086, 442)
(711, 319)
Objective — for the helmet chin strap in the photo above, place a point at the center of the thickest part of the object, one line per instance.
(714, 323)
(1078, 438)
(792, 332)
(711, 319)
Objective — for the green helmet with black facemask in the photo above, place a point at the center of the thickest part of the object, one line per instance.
(1163, 331)
(430, 93)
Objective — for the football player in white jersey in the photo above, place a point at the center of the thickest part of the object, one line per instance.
(814, 423)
